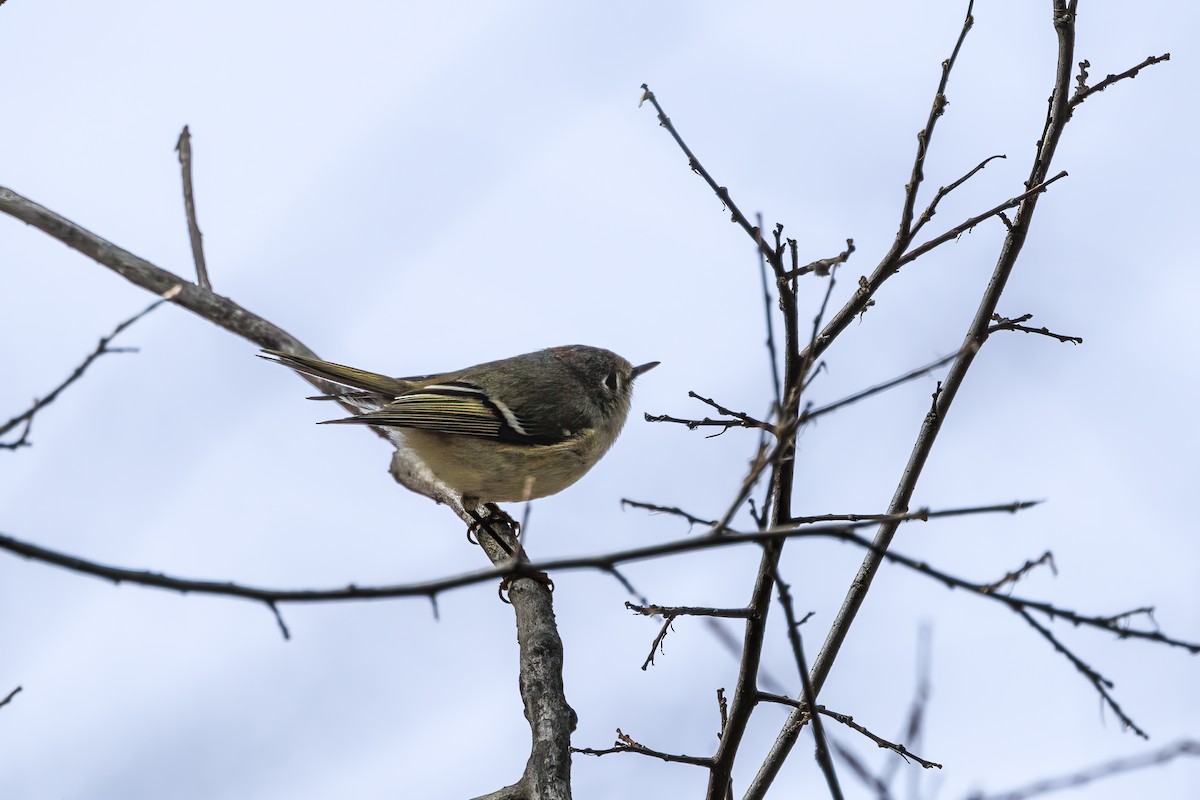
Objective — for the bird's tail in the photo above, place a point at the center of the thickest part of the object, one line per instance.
(355, 379)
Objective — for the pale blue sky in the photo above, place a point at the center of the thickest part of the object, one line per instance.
(412, 188)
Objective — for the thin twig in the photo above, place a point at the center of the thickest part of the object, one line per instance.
(708, 422)
(968, 224)
(811, 414)
(916, 711)
(8, 698)
(658, 642)
(821, 266)
(768, 305)
(923, 514)
(1011, 578)
(102, 348)
(931, 209)
(1006, 324)
(745, 419)
(1164, 755)
(670, 613)
(652, 610)
(860, 770)
(923, 138)
(808, 695)
(626, 744)
(740, 420)
(721, 192)
(1083, 91)
(673, 510)
(920, 513)
(723, 708)
(184, 148)
(849, 722)
(1098, 681)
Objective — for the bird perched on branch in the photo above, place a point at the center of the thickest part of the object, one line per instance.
(509, 430)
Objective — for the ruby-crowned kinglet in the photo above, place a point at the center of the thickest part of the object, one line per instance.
(508, 430)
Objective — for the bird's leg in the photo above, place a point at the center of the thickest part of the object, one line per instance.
(484, 524)
(495, 512)
(516, 558)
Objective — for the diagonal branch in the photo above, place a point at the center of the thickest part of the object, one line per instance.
(1164, 755)
(1098, 681)
(935, 112)
(824, 759)
(8, 698)
(212, 307)
(968, 224)
(721, 192)
(849, 722)
(102, 348)
(931, 209)
(1083, 91)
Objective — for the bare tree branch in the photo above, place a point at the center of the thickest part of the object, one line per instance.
(931, 209)
(26, 417)
(769, 306)
(670, 613)
(1057, 118)
(1046, 558)
(626, 744)
(1101, 684)
(849, 722)
(1083, 91)
(696, 167)
(822, 266)
(8, 698)
(740, 420)
(968, 224)
(1164, 755)
(914, 726)
(688, 611)
(209, 306)
(430, 589)
(824, 759)
(1006, 324)
(184, 148)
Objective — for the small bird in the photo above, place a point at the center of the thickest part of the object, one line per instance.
(503, 431)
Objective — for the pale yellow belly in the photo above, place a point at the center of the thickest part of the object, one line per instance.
(499, 472)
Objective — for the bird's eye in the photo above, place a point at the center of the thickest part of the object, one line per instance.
(612, 381)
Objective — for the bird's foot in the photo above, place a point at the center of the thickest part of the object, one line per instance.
(495, 516)
(523, 571)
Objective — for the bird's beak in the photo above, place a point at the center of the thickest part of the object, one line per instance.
(645, 368)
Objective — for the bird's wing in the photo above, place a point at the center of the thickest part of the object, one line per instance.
(455, 407)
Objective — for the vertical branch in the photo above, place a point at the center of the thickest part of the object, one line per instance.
(766, 288)
(551, 719)
(184, 148)
(782, 479)
(1064, 25)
